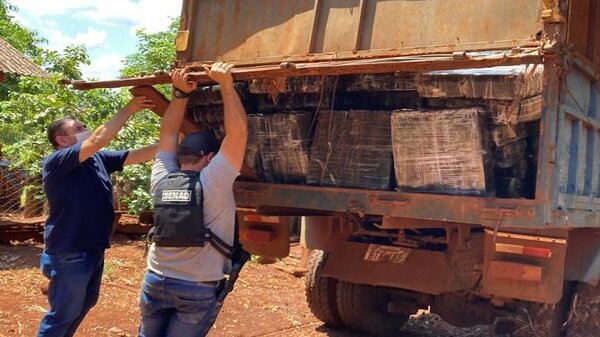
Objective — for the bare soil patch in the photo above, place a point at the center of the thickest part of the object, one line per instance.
(267, 301)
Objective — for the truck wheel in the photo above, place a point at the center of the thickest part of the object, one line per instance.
(360, 310)
(584, 314)
(321, 291)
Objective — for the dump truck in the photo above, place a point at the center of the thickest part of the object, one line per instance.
(442, 154)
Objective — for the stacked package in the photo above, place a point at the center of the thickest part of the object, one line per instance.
(205, 106)
(513, 104)
(352, 149)
(388, 91)
(442, 151)
(277, 149)
(498, 83)
(289, 94)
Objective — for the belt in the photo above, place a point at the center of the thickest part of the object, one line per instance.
(204, 283)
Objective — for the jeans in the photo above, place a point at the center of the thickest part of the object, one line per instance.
(176, 308)
(74, 288)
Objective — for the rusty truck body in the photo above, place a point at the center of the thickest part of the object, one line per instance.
(383, 246)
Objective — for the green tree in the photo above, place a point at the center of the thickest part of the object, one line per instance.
(155, 52)
(30, 104)
(23, 39)
(38, 101)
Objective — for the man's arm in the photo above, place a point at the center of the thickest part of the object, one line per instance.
(107, 131)
(233, 146)
(140, 155)
(171, 121)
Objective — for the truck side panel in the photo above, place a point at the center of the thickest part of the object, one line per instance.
(270, 31)
(578, 152)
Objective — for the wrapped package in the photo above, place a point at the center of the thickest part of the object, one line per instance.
(510, 153)
(504, 134)
(306, 84)
(452, 103)
(211, 94)
(352, 149)
(278, 144)
(442, 151)
(519, 170)
(500, 112)
(291, 102)
(505, 82)
(397, 81)
(508, 187)
(210, 117)
(515, 111)
(392, 100)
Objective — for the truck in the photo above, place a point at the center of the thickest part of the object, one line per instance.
(442, 154)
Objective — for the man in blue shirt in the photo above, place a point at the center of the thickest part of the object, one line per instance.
(76, 178)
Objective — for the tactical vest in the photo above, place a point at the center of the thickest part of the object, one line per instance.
(178, 211)
(179, 214)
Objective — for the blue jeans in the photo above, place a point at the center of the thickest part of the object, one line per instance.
(74, 288)
(175, 308)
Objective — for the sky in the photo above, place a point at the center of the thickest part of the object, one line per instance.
(106, 27)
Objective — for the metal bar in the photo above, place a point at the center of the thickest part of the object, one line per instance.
(315, 26)
(436, 207)
(362, 10)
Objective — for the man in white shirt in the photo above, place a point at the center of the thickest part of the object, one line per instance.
(178, 295)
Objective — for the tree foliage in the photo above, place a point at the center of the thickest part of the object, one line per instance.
(30, 104)
(155, 52)
(24, 40)
(21, 38)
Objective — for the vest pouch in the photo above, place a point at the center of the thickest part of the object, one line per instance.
(175, 232)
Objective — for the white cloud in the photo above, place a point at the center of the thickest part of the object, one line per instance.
(98, 25)
(105, 67)
(54, 7)
(152, 15)
(91, 38)
(156, 15)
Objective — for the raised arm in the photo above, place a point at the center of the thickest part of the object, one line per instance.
(173, 117)
(140, 155)
(107, 131)
(233, 146)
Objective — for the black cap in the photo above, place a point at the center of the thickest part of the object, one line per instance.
(199, 143)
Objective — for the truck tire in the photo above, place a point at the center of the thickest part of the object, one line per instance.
(584, 314)
(321, 291)
(360, 310)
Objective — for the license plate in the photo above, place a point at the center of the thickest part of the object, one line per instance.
(386, 254)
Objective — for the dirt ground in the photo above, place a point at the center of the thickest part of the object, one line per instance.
(267, 300)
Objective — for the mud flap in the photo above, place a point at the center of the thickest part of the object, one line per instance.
(425, 271)
(264, 235)
(524, 267)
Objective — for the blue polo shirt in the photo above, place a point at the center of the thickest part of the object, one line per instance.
(80, 199)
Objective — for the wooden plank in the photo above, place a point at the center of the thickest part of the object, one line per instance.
(9, 221)
(160, 106)
(128, 82)
(328, 68)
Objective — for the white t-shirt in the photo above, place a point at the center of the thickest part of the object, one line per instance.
(199, 264)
